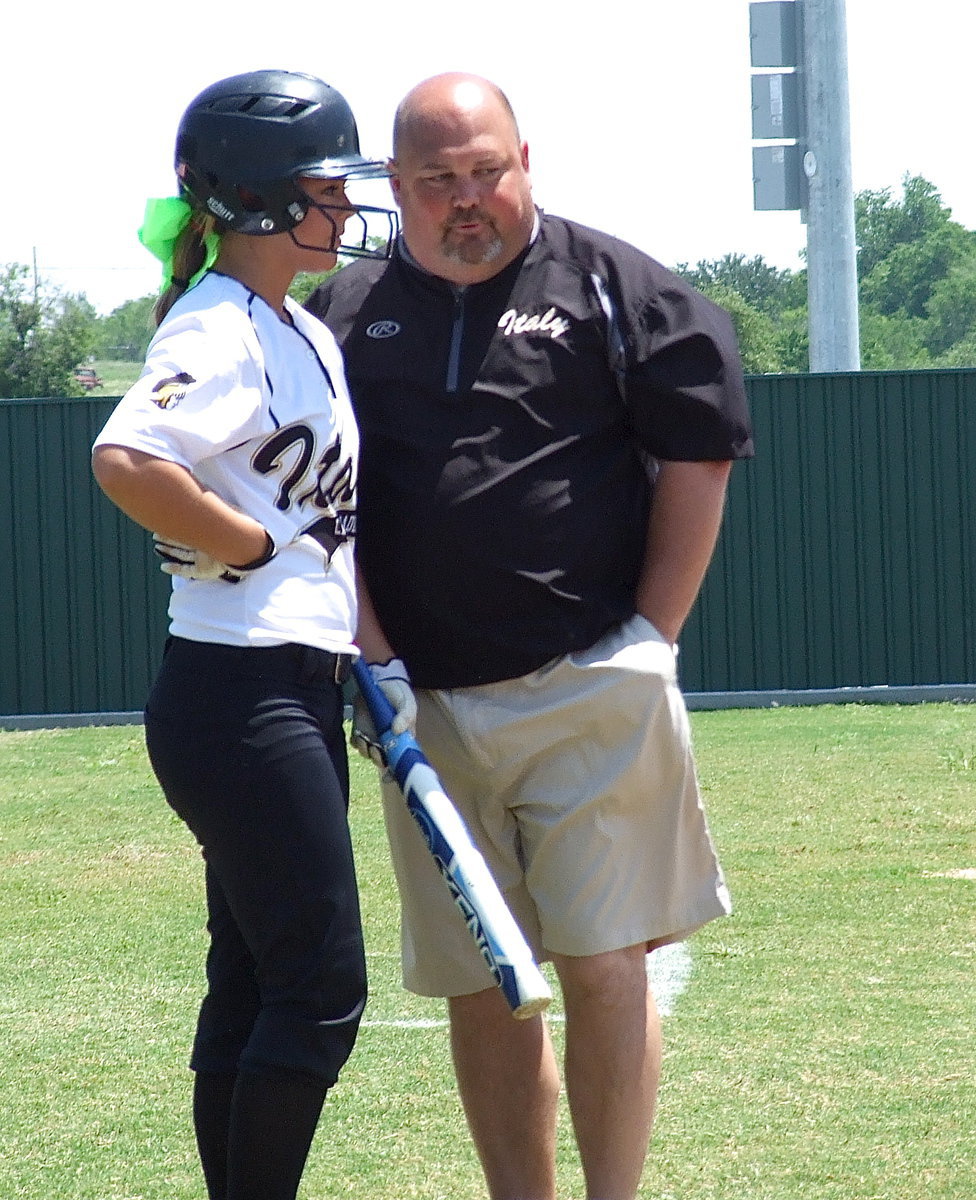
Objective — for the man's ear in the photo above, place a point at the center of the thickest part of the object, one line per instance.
(524, 155)
(394, 179)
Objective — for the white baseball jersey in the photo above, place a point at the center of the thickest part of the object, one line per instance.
(259, 412)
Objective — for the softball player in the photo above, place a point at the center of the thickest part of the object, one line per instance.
(238, 448)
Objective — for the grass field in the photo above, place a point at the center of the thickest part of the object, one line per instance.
(116, 376)
(824, 1047)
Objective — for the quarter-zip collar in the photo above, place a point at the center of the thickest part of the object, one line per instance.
(459, 294)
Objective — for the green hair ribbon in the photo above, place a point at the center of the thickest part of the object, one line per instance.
(164, 221)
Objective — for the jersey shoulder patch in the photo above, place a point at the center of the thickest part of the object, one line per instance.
(169, 392)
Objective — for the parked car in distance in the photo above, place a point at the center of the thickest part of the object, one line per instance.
(88, 377)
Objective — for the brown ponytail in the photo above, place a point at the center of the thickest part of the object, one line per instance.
(189, 256)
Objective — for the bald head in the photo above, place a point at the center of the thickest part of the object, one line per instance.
(446, 104)
(461, 178)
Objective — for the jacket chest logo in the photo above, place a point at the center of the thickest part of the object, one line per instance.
(513, 322)
(383, 329)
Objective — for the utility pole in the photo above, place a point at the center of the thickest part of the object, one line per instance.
(831, 245)
(802, 121)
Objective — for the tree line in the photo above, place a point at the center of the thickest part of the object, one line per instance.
(916, 271)
(916, 277)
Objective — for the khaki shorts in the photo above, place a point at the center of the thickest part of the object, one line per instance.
(578, 785)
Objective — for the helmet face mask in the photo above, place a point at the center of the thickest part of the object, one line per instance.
(369, 232)
(245, 142)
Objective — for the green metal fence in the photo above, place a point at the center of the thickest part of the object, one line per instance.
(847, 557)
(82, 606)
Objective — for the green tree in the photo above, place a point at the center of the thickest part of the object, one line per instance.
(951, 309)
(882, 223)
(764, 288)
(127, 330)
(906, 246)
(917, 289)
(754, 329)
(44, 334)
(793, 339)
(892, 342)
(307, 281)
(772, 327)
(962, 354)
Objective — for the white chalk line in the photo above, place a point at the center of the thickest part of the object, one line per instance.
(668, 972)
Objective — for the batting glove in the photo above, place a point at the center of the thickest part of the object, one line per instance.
(394, 683)
(189, 563)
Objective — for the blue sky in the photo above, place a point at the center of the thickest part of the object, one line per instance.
(637, 114)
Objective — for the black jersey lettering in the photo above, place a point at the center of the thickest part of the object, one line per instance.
(334, 481)
(329, 487)
(271, 457)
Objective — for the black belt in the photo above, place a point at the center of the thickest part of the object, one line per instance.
(306, 664)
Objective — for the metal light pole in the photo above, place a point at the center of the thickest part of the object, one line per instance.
(801, 122)
(831, 246)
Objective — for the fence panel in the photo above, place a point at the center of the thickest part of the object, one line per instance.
(83, 607)
(848, 551)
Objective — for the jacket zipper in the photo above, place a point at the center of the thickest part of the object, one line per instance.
(457, 333)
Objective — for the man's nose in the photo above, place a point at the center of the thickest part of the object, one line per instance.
(466, 193)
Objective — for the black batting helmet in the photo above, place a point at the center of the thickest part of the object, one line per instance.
(244, 141)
